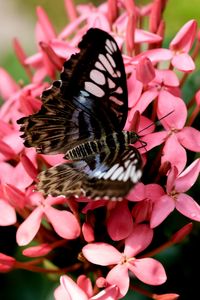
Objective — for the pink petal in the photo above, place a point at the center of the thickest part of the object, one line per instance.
(138, 240)
(183, 62)
(72, 289)
(142, 36)
(145, 99)
(64, 222)
(188, 177)
(71, 10)
(188, 207)
(161, 210)
(185, 37)
(168, 103)
(35, 251)
(8, 214)
(167, 78)
(88, 232)
(137, 193)
(101, 254)
(29, 166)
(173, 173)
(134, 89)
(141, 211)
(85, 284)
(7, 85)
(119, 276)
(28, 229)
(154, 139)
(148, 270)
(48, 32)
(190, 138)
(120, 223)
(156, 55)
(145, 71)
(174, 153)
(154, 191)
(61, 294)
(110, 293)
(14, 196)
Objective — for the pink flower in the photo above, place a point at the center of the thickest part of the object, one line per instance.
(147, 270)
(176, 137)
(69, 290)
(63, 222)
(176, 187)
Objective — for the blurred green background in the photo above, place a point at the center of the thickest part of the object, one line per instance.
(182, 263)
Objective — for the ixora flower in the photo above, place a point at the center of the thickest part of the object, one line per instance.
(147, 269)
(104, 239)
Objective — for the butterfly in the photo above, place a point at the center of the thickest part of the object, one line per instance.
(82, 116)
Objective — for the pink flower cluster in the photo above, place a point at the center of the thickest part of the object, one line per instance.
(155, 78)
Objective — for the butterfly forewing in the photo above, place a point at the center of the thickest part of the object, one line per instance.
(88, 101)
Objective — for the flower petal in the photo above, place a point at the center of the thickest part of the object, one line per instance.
(188, 177)
(8, 214)
(119, 276)
(110, 293)
(188, 207)
(138, 240)
(64, 222)
(190, 138)
(148, 270)
(183, 62)
(120, 223)
(174, 153)
(73, 290)
(101, 254)
(185, 37)
(161, 210)
(169, 103)
(28, 229)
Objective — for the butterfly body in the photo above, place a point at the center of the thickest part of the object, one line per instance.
(82, 116)
(107, 143)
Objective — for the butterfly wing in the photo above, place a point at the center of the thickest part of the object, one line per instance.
(89, 100)
(105, 175)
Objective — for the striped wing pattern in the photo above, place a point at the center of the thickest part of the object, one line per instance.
(105, 175)
(88, 103)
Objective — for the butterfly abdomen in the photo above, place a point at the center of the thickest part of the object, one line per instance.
(108, 143)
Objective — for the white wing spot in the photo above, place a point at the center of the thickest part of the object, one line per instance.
(118, 73)
(108, 49)
(126, 164)
(106, 64)
(117, 101)
(111, 84)
(117, 173)
(109, 44)
(127, 173)
(99, 66)
(119, 90)
(111, 171)
(97, 77)
(111, 60)
(94, 89)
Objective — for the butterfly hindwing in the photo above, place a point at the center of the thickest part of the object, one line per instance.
(105, 175)
(88, 101)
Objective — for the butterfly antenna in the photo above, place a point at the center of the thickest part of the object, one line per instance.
(157, 122)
